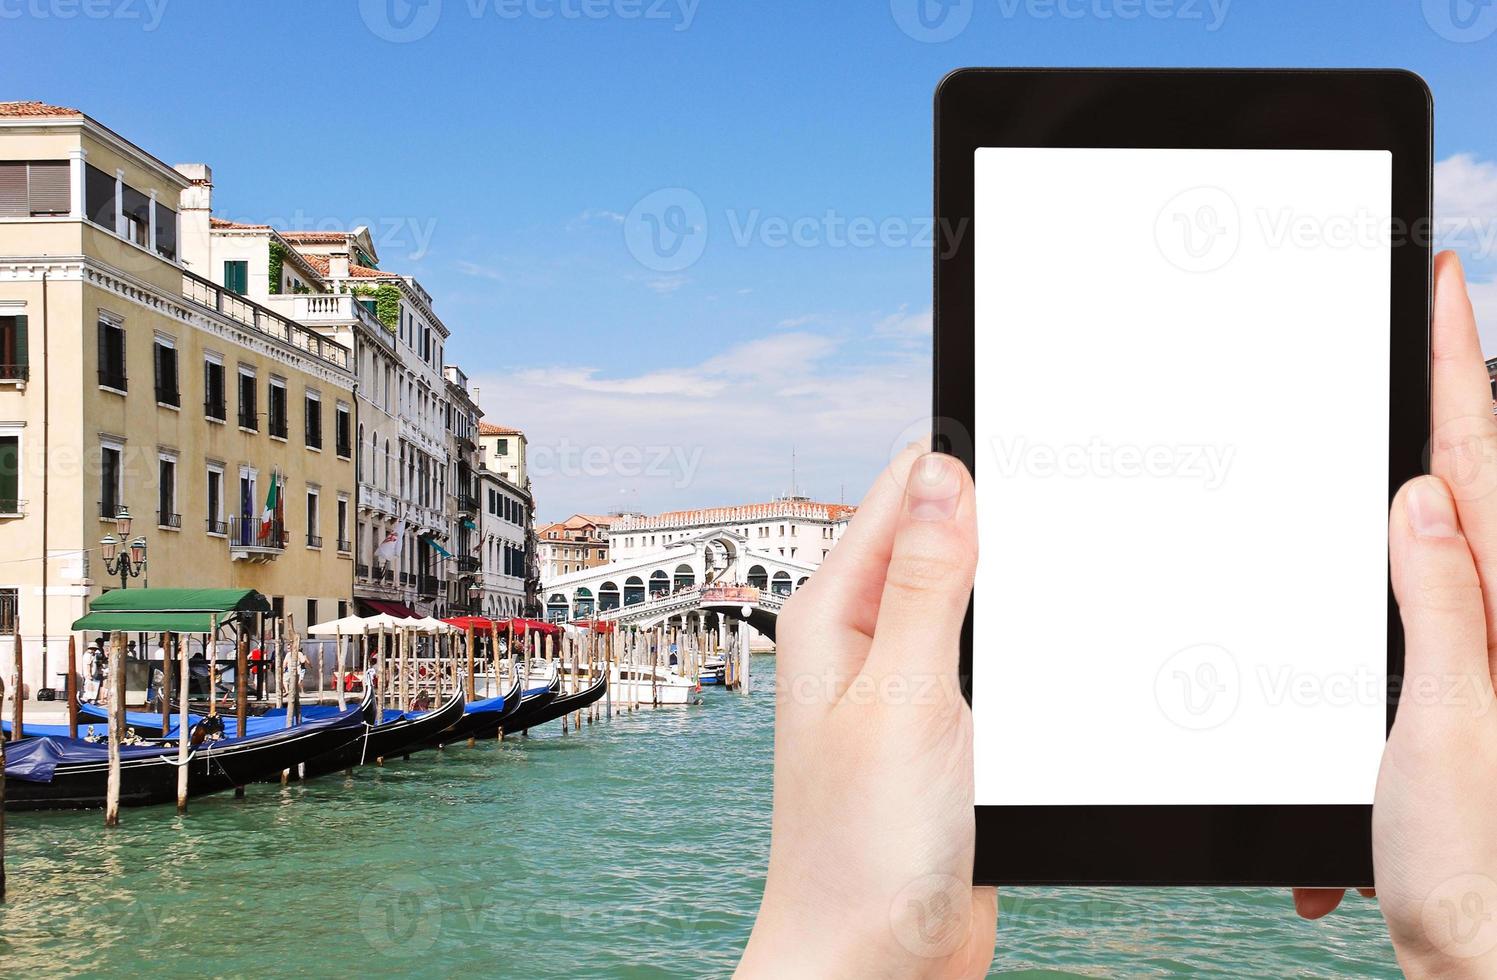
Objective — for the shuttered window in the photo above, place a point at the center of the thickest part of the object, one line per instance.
(276, 405)
(13, 356)
(10, 474)
(35, 189)
(236, 276)
(112, 356)
(167, 392)
(314, 422)
(166, 231)
(214, 406)
(98, 196)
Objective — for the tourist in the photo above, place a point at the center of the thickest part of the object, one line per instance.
(861, 912)
(93, 660)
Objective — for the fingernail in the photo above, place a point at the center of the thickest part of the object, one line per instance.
(1431, 511)
(935, 487)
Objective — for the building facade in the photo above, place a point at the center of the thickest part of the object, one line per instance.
(577, 543)
(132, 383)
(510, 570)
(791, 527)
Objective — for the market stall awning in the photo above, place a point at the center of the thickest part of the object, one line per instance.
(380, 607)
(476, 623)
(169, 610)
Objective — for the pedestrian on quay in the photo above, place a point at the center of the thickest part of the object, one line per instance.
(94, 661)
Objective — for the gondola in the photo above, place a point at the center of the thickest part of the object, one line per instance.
(400, 734)
(63, 774)
(481, 718)
(532, 707)
(564, 704)
(147, 724)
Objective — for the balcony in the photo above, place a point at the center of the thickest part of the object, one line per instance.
(314, 541)
(465, 564)
(345, 547)
(427, 587)
(467, 503)
(217, 527)
(165, 519)
(380, 501)
(265, 321)
(248, 543)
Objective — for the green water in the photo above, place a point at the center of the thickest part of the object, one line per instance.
(633, 848)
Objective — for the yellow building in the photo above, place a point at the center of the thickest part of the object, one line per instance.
(128, 382)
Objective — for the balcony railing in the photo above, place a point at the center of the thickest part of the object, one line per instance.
(249, 419)
(166, 519)
(465, 563)
(15, 372)
(217, 527)
(113, 377)
(108, 509)
(265, 321)
(345, 546)
(168, 396)
(361, 570)
(248, 538)
(467, 503)
(215, 409)
(278, 427)
(427, 587)
(314, 541)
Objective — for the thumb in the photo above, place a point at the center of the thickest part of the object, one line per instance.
(928, 584)
(1438, 592)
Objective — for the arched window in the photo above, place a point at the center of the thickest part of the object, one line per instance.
(803, 580)
(556, 608)
(781, 583)
(685, 577)
(660, 584)
(634, 590)
(608, 596)
(582, 603)
(758, 577)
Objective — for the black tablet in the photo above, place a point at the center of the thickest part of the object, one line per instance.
(1181, 339)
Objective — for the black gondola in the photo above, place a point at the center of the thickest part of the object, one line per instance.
(564, 704)
(403, 735)
(532, 707)
(482, 718)
(63, 774)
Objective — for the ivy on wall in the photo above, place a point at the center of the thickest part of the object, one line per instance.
(386, 302)
(277, 259)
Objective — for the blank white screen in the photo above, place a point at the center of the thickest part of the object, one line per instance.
(1181, 429)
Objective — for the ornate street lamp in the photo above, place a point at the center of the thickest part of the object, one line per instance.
(126, 565)
(475, 596)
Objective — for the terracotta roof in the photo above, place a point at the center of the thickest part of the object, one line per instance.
(488, 429)
(35, 109)
(321, 264)
(225, 223)
(743, 512)
(316, 237)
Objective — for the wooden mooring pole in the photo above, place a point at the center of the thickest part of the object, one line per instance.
(72, 690)
(184, 731)
(18, 696)
(2, 804)
(116, 727)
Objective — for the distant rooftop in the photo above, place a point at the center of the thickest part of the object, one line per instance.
(489, 429)
(13, 109)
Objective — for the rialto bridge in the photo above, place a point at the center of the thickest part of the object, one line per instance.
(704, 582)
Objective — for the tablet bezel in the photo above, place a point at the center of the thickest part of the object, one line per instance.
(1310, 845)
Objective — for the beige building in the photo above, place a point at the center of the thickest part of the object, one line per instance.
(509, 573)
(791, 527)
(129, 381)
(573, 545)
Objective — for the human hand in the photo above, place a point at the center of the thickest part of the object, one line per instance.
(1434, 822)
(870, 869)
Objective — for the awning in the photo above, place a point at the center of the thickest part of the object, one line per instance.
(379, 607)
(477, 623)
(169, 610)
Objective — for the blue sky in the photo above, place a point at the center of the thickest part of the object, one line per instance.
(499, 150)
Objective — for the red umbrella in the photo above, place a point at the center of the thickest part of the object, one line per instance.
(475, 623)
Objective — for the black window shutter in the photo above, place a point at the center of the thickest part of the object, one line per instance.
(22, 355)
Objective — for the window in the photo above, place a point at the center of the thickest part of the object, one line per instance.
(10, 610)
(314, 540)
(33, 190)
(344, 545)
(166, 374)
(166, 231)
(13, 355)
(313, 406)
(112, 354)
(312, 612)
(216, 522)
(136, 215)
(110, 472)
(343, 432)
(249, 412)
(503, 449)
(166, 493)
(236, 276)
(214, 403)
(277, 409)
(10, 472)
(99, 190)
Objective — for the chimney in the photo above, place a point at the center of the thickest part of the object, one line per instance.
(196, 203)
(337, 265)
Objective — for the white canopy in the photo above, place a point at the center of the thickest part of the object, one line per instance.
(347, 626)
(430, 625)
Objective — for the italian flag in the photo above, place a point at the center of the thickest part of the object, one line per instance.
(272, 501)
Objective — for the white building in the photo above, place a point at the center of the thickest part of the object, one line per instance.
(506, 516)
(796, 528)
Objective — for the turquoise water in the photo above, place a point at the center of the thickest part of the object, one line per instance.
(634, 848)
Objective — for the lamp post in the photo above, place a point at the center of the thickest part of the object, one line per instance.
(128, 564)
(475, 597)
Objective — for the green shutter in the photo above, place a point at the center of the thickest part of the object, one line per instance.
(10, 474)
(21, 361)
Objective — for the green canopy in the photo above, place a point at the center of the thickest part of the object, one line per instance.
(169, 610)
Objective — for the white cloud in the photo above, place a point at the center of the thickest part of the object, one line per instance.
(718, 431)
(1466, 219)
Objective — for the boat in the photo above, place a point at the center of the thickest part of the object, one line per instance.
(565, 704)
(532, 706)
(399, 734)
(713, 669)
(642, 684)
(481, 718)
(147, 724)
(62, 773)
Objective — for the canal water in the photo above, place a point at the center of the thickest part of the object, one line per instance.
(634, 848)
